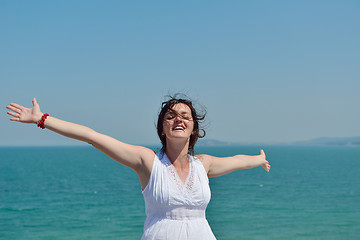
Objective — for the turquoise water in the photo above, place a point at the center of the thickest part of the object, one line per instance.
(79, 193)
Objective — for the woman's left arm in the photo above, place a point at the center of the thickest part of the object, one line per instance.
(218, 166)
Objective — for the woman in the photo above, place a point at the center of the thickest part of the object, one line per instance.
(174, 182)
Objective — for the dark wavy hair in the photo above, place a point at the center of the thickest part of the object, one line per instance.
(198, 131)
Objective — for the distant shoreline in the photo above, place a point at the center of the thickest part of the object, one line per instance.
(324, 141)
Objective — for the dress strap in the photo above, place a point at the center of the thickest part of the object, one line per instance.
(154, 168)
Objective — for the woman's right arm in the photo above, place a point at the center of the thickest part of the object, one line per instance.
(129, 155)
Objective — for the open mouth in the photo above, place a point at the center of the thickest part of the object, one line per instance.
(178, 128)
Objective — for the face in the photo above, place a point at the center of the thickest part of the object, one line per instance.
(178, 123)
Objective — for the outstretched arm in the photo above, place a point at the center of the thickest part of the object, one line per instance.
(126, 154)
(216, 166)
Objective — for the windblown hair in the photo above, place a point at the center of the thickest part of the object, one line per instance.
(198, 131)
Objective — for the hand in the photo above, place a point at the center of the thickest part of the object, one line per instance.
(265, 165)
(23, 114)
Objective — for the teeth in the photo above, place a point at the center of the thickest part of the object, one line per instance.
(179, 128)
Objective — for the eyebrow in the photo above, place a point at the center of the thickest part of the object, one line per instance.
(183, 113)
(170, 111)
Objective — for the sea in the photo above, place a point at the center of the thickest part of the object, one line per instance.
(75, 193)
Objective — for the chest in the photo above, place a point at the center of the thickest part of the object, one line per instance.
(172, 189)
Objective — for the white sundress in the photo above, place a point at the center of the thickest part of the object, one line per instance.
(176, 210)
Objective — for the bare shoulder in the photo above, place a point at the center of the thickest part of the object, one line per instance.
(205, 160)
(147, 156)
(204, 157)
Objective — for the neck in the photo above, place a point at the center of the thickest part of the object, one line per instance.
(177, 152)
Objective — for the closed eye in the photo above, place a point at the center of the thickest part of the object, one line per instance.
(186, 117)
(170, 116)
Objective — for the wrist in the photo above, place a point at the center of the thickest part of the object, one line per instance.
(261, 160)
(41, 123)
(37, 117)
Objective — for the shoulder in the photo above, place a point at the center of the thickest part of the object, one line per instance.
(204, 157)
(147, 160)
(147, 156)
(205, 160)
(144, 151)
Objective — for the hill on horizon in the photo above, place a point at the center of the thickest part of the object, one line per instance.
(325, 141)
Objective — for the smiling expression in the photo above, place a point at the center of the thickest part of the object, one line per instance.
(178, 122)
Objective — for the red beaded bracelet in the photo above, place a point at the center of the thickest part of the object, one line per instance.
(42, 121)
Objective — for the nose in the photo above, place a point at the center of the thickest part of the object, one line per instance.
(178, 118)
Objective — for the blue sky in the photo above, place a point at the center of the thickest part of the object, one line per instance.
(266, 71)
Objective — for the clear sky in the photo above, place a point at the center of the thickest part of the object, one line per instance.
(266, 71)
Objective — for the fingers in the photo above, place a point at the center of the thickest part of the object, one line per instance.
(16, 116)
(34, 102)
(15, 119)
(14, 107)
(262, 153)
(268, 166)
(13, 114)
(16, 111)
